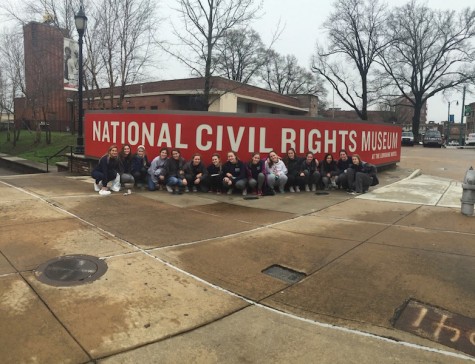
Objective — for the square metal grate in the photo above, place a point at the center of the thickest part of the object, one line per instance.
(284, 274)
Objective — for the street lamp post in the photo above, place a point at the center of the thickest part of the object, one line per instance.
(448, 122)
(461, 138)
(81, 22)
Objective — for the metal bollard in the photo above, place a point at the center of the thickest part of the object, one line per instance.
(468, 194)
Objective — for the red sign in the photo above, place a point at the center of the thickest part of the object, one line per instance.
(208, 133)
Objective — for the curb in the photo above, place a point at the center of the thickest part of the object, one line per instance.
(414, 174)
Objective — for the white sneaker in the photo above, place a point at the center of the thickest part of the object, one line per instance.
(230, 191)
(169, 189)
(281, 190)
(98, 186)
(307, 189)
(244, 192)
(314, 188)
(334, 186)
(104, 192)
(187, 189)
(195, 189)
(297, 189)
(291, 189)
(115, 189)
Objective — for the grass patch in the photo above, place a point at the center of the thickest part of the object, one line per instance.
(26, 147)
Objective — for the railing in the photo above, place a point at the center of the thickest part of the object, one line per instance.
(59, 152)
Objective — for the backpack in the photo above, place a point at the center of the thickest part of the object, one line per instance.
(267, 191)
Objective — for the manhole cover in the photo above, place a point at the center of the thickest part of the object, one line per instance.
(71, 270)
(436, 324)
(284, 274)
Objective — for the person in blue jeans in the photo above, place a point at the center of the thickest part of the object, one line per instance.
(173, 173)
(361, 175)
(125, 165)
(256, 174)
(153, 178)
(234, 174)
(107, 170)
(196, 174)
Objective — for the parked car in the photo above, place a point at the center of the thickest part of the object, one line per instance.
(470, 139)
(407, 138)
(432, 138)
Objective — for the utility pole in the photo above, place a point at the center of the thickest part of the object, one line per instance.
(461, 138)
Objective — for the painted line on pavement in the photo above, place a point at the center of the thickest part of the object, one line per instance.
(255, 303)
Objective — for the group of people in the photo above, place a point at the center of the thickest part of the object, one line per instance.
(258, 176)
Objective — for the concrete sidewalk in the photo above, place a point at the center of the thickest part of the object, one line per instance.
(185, 279)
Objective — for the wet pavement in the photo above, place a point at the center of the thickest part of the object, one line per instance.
(185, 279)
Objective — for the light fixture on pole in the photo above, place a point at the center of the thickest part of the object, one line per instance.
(461, 137)
(448, 122)
(81, 22)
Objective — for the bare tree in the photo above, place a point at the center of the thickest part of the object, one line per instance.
(355, 36)
(432, 51)
(240, 54)
(119, 44)
(282, 74)
(205, 24)
(117, 41)
(12, 64)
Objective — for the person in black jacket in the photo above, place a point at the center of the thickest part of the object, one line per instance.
(140, 165)
(361, 175)
(215, 173)
(328, 171)
(295, 181)
(234, 174)
(256, 174)
(107, 170)
(309, 172)
(343, 164)
(125, 164)
(173, 173)
(196, 174)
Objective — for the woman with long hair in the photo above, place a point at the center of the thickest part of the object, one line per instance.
(295, 182)
(309, 172)
(361, 175)
(107, 170)
(196, 174)
(153, 178)
(256, 173)
(276, 172)
(328, 171)
(173, 173)
(234, 174)
(215, 173)
(125, 164)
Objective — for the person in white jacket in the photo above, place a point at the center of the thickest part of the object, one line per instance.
(155, 169)
(276, 172)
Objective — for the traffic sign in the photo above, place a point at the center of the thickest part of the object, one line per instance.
(468, 110)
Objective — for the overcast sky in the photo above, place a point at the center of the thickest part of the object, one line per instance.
(303, 20)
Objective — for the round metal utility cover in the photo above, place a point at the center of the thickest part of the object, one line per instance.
(71, 270)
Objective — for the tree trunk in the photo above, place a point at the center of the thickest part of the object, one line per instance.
(416, 118)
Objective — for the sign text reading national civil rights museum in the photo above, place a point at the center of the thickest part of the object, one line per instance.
(208, 133)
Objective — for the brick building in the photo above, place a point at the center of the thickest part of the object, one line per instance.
(48, 103)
